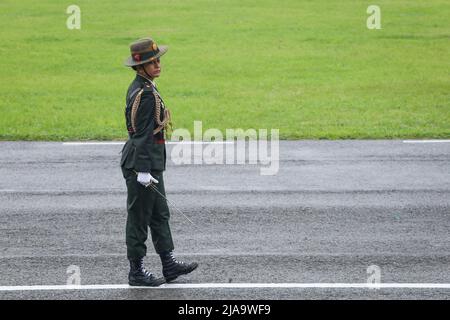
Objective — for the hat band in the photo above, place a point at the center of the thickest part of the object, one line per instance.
(144, 56)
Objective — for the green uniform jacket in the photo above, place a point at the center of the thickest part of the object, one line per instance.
(144, 151)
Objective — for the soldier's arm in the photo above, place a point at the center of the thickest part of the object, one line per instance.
(143, 136)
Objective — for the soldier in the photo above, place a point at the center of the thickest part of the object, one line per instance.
(143, 162)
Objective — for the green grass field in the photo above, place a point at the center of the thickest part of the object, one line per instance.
(309, 68)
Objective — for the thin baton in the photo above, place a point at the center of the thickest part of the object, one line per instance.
(170, 202)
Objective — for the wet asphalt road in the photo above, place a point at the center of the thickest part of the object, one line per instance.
(333, 209)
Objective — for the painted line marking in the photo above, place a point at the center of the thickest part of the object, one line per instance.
(425, 141)
(93, 143)
(107, 143)
(233, 286)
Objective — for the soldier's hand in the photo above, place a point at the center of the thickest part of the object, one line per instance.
(145, 178)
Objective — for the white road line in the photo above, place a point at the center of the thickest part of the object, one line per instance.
(91, 143)
(200, 142)
(234, 286)
(106, 143)
(425, 141)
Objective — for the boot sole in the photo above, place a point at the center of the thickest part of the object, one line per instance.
(140, 284)
(169, 279)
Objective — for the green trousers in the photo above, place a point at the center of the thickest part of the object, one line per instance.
(146, 208)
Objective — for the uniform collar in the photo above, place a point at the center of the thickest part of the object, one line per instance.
(145, 79)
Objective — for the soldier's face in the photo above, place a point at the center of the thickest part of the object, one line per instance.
(153, 68)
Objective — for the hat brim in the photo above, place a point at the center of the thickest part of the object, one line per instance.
(130, 62)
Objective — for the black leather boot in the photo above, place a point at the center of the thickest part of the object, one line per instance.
(138, 276)
(173, 268)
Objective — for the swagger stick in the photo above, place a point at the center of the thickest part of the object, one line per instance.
(168, 201)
